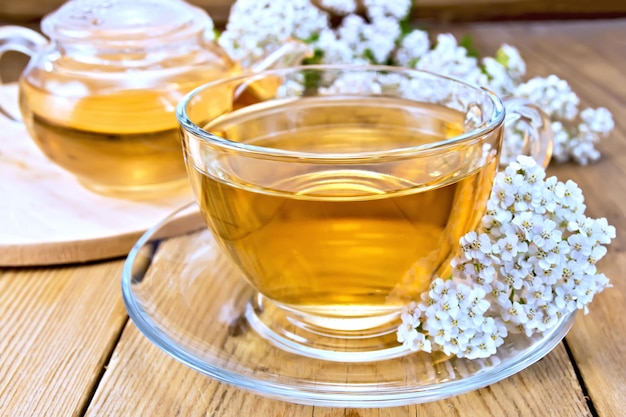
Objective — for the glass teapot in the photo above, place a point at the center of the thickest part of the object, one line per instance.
(99, 96)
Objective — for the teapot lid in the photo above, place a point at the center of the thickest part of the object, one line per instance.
(126, 23)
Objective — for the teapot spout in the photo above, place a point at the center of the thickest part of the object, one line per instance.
(291, 53)
(258, 89)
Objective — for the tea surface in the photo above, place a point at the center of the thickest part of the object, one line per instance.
(343, 239)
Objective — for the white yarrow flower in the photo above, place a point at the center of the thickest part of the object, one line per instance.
(396, 9)
(340, 7)
(257, 27)
(599, 120)
(551, 94)
(499, 79)
(448, 58)
(412, 47)
(529, 266)
(511, 59)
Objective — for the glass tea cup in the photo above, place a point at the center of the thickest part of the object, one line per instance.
(98, 96)
(341, 192)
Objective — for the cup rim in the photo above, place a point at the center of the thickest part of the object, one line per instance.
(496, 120)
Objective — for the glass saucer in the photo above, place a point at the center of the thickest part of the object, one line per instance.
(187, 297)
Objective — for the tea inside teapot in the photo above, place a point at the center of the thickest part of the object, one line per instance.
(99, 98)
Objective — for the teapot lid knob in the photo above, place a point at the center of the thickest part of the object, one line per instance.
(126, 23)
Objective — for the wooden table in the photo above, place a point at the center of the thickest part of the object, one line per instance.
(67, 347)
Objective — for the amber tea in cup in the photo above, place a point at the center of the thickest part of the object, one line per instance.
(340, 193)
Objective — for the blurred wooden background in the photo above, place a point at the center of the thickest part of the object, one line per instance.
(25, 11)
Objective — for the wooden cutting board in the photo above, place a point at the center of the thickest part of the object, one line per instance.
(48, 218)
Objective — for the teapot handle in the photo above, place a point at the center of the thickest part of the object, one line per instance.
(19, 39)
(528, 131)
(290, 53)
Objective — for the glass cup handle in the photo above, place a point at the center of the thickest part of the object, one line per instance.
(19, 39)
(527, 131)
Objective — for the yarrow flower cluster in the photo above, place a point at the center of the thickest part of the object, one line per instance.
(575, 132)
(532, 261)
(256, 27)
(376, 32)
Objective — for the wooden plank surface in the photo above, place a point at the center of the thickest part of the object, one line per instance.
(58, 327)
(142, 381)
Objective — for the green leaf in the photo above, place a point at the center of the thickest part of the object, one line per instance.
(369, 55)
(312, 82)
(502, 58)
(313, 38)
(406, 25)
(468, 43)
(317, 57)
